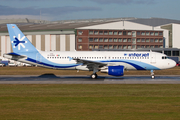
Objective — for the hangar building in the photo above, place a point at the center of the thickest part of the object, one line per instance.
(85, 35)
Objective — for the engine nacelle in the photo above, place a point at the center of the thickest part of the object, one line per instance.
(114, 70)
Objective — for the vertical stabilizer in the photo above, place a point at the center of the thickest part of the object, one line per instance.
(19, 41)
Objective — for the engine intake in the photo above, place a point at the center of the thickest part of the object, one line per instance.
(114, 70)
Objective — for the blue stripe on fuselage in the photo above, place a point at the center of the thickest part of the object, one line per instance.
(136, 64)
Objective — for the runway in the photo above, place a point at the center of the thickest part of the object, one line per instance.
(52, 79)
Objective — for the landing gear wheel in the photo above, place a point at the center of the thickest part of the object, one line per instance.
(152, 74)
(94, 76)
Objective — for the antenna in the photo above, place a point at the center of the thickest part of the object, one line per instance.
(40, 16)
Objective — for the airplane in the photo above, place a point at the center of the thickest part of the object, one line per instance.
(111, 62)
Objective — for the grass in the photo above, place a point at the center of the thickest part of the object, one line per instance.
(90, 102)
(40, 71)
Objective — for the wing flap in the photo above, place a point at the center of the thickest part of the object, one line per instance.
(90, 64)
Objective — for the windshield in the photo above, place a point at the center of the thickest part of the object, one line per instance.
(165, 57)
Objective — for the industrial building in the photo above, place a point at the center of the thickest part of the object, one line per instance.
(106, 34)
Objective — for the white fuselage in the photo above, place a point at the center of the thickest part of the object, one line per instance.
(130, 60)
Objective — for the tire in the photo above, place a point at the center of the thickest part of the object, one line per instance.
(94, 76)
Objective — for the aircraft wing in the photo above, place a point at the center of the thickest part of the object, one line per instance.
(90, 64)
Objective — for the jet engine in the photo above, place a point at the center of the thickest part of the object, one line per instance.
(114, 70)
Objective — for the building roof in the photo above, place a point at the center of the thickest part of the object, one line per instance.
(28, 25)
(154, 21)
(24, 25)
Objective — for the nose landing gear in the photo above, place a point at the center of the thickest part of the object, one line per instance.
(152, 74)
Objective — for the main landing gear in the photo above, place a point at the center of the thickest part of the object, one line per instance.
(152, 74)
(94, 76)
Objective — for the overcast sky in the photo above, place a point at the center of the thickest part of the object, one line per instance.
(89, 9)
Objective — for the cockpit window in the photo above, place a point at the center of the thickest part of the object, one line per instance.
(164, 57)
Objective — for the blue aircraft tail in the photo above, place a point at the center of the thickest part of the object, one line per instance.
(19, 42)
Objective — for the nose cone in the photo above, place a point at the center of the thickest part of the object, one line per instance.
(172, 64)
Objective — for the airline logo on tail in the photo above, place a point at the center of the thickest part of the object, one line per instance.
(19, 42)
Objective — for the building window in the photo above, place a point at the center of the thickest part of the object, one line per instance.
(152, 33)
(134, 40)
(156, 33)
(100, 46)
(147, 40)
(110, 47)
(129, 39)
(105, 40)
(90, 46)
(120, 40)
(142, 33)
(142, 46)
(138, 40)
(120, 32)
(90, 39)
(152, 40)
(100, 39)
(160, 33)
(134, 47)
(96, 40)
(100, 32)
(133, 33)
(110, 40)
(90, 32)
(160, 46)
(152, 46)
(79, 46)
(142, 40)
(147, 46)
(96, 32)
(156, 46)
(124, 40)
(96, 47)
(115, 47)
(138, 33)
(105, 32)
(160, 40)
(115, 39)
(115, 32)
(119, 46)
(129, 46)
(124, 32)
(138, 46)
(147, 33)
(110, 33)
(124, 47)
(80, 33)
(129, 32)
(105, 47)
(79, 39)
(156, 40)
